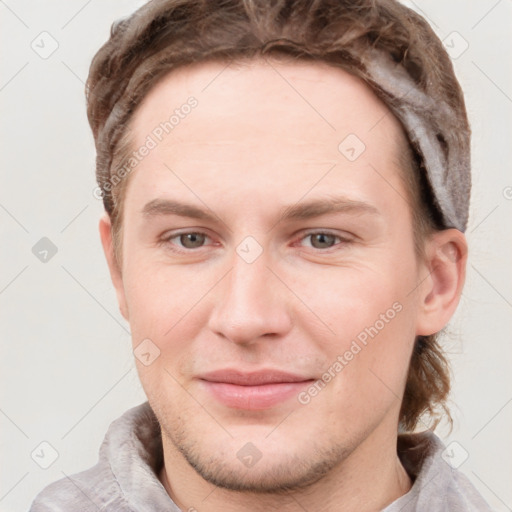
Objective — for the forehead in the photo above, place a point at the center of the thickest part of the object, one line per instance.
(259, 123)
(265, 96)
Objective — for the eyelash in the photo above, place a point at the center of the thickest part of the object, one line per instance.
(167, 240)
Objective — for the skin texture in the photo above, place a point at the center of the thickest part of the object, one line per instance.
(252, 147)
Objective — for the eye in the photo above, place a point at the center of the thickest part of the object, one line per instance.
(189, 240)
(323, 240)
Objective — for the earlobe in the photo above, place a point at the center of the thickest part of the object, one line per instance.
(446, 259)
(105, 228)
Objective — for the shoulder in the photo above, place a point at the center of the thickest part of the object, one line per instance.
(122, 452)
(463, 494)
(437, 484)
(88, 491)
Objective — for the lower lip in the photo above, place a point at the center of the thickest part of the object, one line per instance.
(254, 397)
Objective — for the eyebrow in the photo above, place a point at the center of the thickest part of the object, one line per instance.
(300, 211)
(316, 208)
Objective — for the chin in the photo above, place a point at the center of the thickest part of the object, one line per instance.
(260, 467)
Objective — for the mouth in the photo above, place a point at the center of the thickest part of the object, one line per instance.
(253, 390)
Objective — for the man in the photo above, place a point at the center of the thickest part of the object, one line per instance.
(286, 189)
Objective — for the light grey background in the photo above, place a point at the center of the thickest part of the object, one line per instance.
(67, 368)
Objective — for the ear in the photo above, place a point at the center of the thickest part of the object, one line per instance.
(439, 293)
(105, 228)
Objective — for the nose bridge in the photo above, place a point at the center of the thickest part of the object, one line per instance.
(249, 303)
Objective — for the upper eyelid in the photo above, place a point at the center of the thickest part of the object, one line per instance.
(321, 231)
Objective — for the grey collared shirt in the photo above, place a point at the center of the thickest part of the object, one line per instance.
(125, 479)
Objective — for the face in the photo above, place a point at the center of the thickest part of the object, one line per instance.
(269, 265)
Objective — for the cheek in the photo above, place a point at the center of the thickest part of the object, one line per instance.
(162, 300)
(166, 308)
(350, 299)
(371, 315)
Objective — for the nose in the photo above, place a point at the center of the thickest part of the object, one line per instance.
(250, 303)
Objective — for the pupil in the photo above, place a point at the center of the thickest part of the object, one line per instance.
(324, 238)
(192, 239)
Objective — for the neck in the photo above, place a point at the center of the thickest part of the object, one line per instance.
(370, 479)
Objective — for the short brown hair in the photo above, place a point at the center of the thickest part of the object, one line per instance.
(166, 34)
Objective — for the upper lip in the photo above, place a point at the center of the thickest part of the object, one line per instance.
(260, 377)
